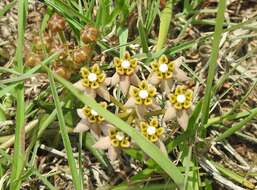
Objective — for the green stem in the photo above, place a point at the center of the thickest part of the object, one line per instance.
(164, 25)
(19, 144)
(212, 64)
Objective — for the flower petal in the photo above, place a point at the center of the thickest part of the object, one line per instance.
(81, 126)
(112, 153)
(124, 84)
(115, 79)
(130, 103)
(134, 79)
(170, 113)
(107, 81)
(162, 147)
(103, 143)
(81, 114)
(89, 92)
(103, 92)
(165, 87)
(180, 75)
(140, 110)
(79, 85)
(105, 128)
(178, 61)
(153, 79)
(182, 118)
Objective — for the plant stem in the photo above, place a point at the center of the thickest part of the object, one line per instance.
(164, 25)
(212, 64)
(19, 144)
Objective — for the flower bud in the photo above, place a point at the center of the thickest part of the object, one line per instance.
(63, 72)
(82, 54)
(89, 34)
(32, 60)
(56, 23)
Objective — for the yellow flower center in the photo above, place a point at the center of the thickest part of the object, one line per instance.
(151, 130)
(125, 64)
(163, 68)
(92, 77)
(143, 94)
(181, 98)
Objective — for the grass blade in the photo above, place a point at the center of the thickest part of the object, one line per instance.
(213, 62)
(19, 145)
(164, 25)
(64, 134)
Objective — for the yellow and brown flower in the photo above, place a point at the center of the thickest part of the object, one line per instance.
(164, 72)
(118, 138)
(125, 73)
(90, 119)
(115, 140)
(179, 104)
(152, 131)
(93, 82)
(142, 98)
(143, 95)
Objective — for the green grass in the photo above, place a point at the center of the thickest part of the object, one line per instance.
(19, 145)
(212, 63)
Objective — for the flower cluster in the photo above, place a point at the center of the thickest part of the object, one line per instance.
(143, 100)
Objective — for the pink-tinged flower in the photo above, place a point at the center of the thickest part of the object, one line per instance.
(125, 74)
(142, 99)
(179, 106)
(93, 82)
(153, 132)
(90, 120)
(115, 140)
(164, 72)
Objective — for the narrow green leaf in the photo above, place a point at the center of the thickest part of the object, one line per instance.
(7, 7)
(143, 36)
(123, 37)
(19, 156)
(164, 25)
(64, 134)
(213, 62)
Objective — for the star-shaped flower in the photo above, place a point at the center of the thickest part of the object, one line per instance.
(152, 131)
(142, 98)
(93, 82)
(90, 119)
(164, 72)
(179, 105)
(115, 140)
(125, 73)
